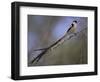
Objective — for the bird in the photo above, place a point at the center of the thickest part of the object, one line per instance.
(71, 30)
(69, 33)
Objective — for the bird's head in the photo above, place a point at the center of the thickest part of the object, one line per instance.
(74, 21)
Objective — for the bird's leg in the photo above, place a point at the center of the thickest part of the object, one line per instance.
(69, 37)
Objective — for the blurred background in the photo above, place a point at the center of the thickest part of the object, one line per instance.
(45, 30)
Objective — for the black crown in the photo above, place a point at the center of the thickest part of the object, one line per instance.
(75, 21)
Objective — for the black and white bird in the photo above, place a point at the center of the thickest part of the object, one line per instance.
(72, 30)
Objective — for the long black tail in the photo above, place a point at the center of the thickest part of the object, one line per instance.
(39, 56)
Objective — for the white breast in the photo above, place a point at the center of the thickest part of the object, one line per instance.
(75, 24)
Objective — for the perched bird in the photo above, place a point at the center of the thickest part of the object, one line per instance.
(71, 30)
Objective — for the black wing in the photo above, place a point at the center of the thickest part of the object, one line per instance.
(70, 28)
